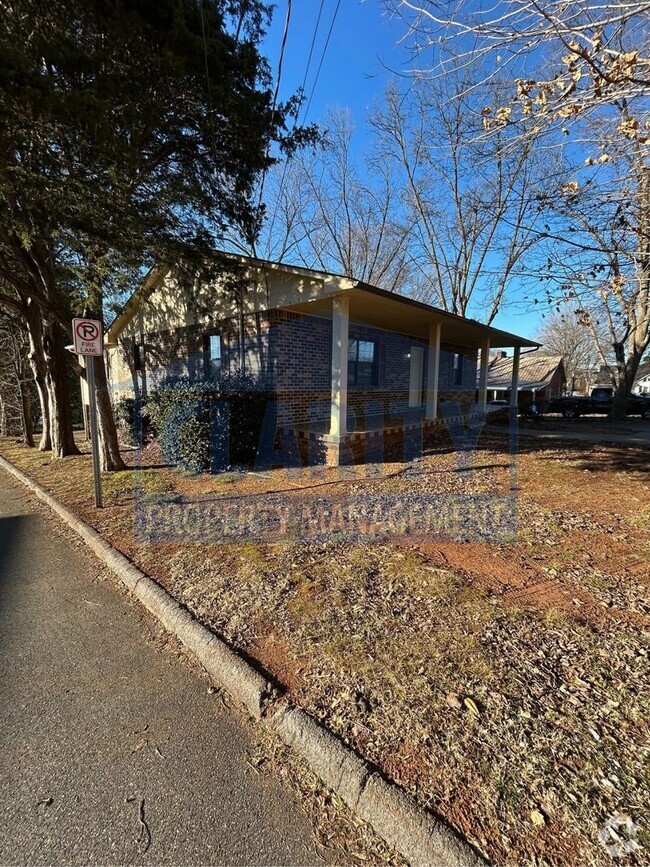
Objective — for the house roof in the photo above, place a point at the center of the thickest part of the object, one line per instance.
(642, 373)
(368, 303)
(151, 282)
(536, 371)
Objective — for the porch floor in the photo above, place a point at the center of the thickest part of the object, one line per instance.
(379, 423)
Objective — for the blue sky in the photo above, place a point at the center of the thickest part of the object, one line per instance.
(352, 74)
(365, 42)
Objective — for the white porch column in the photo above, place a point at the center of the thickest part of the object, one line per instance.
(340, 329)
(433, 370)
(514, 385)
(483, 376)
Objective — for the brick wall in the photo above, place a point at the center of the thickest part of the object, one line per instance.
(180, 352)
(463, 393)
(291, 353)
(302, 348)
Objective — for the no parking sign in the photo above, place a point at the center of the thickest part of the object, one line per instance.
(88, 340)
(87, 334)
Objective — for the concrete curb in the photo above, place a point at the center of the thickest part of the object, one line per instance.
(417, 835)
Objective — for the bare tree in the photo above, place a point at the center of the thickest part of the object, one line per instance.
(593, 53)
(331, 210)
(590, 101)
(565, 332)
(471, 198)
(597, 256)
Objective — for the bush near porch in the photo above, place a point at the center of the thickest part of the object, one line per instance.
(504, 684)
(210, 424)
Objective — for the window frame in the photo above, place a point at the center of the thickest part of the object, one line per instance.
(138, 357)
(457, 370)
(208, 359)
(375, 365)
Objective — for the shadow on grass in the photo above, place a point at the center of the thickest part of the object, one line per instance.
(590, 456)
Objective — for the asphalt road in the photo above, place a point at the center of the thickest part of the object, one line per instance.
(112, 751)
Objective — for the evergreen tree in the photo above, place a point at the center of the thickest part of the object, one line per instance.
(130, 132)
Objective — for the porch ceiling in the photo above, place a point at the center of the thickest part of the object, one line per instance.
(381, 309)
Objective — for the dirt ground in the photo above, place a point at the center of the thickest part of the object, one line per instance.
(498, 668)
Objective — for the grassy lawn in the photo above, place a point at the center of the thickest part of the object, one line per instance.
(504, 683)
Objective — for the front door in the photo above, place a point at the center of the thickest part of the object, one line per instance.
(417, 369)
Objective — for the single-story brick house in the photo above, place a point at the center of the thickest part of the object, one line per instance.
(347, 361)
(541, 377)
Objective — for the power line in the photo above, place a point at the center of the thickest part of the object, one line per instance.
(295, 122)
(322, 58)
(313, 90)
(283, 44)
(311, 50)
(207, 73)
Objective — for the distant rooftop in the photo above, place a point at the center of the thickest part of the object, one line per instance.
(536, 370)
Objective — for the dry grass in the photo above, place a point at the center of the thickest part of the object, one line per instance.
(504, 684)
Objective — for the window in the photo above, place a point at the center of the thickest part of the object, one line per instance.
(138, 357)
(457, 369)
(363, 362)
(212, 354)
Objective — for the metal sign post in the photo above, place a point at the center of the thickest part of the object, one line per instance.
(88, 341)
(94, 433)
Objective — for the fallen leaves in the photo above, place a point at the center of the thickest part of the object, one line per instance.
(471, 706)
(537, 818)
(476, 706)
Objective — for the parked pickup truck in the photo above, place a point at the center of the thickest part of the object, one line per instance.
(598, 403)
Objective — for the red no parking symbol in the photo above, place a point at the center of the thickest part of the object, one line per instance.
(87, 330)
(87, 336)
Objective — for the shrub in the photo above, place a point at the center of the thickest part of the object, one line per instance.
(210, 424)
(125, 417)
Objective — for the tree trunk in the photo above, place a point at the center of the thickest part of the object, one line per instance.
(627, 369)
(26, 406)
(111, 459)
(45, 444)
(39, 369)
(58, 394)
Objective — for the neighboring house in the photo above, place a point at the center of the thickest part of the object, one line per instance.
(642, 381)
(586, 379)
(541, 377)
(348, 362)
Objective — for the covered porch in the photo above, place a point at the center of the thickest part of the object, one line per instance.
(350, 425)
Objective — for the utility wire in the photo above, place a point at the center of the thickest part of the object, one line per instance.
(205, 58)
(283, 44)
(311, 51)
(313, 90)
(322, 58)
(295, 122)
(207, 82)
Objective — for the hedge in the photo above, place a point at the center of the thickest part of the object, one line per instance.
(209, 425)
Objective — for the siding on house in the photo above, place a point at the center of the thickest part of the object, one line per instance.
(642, 381)
(170, 321)
(642, 386)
